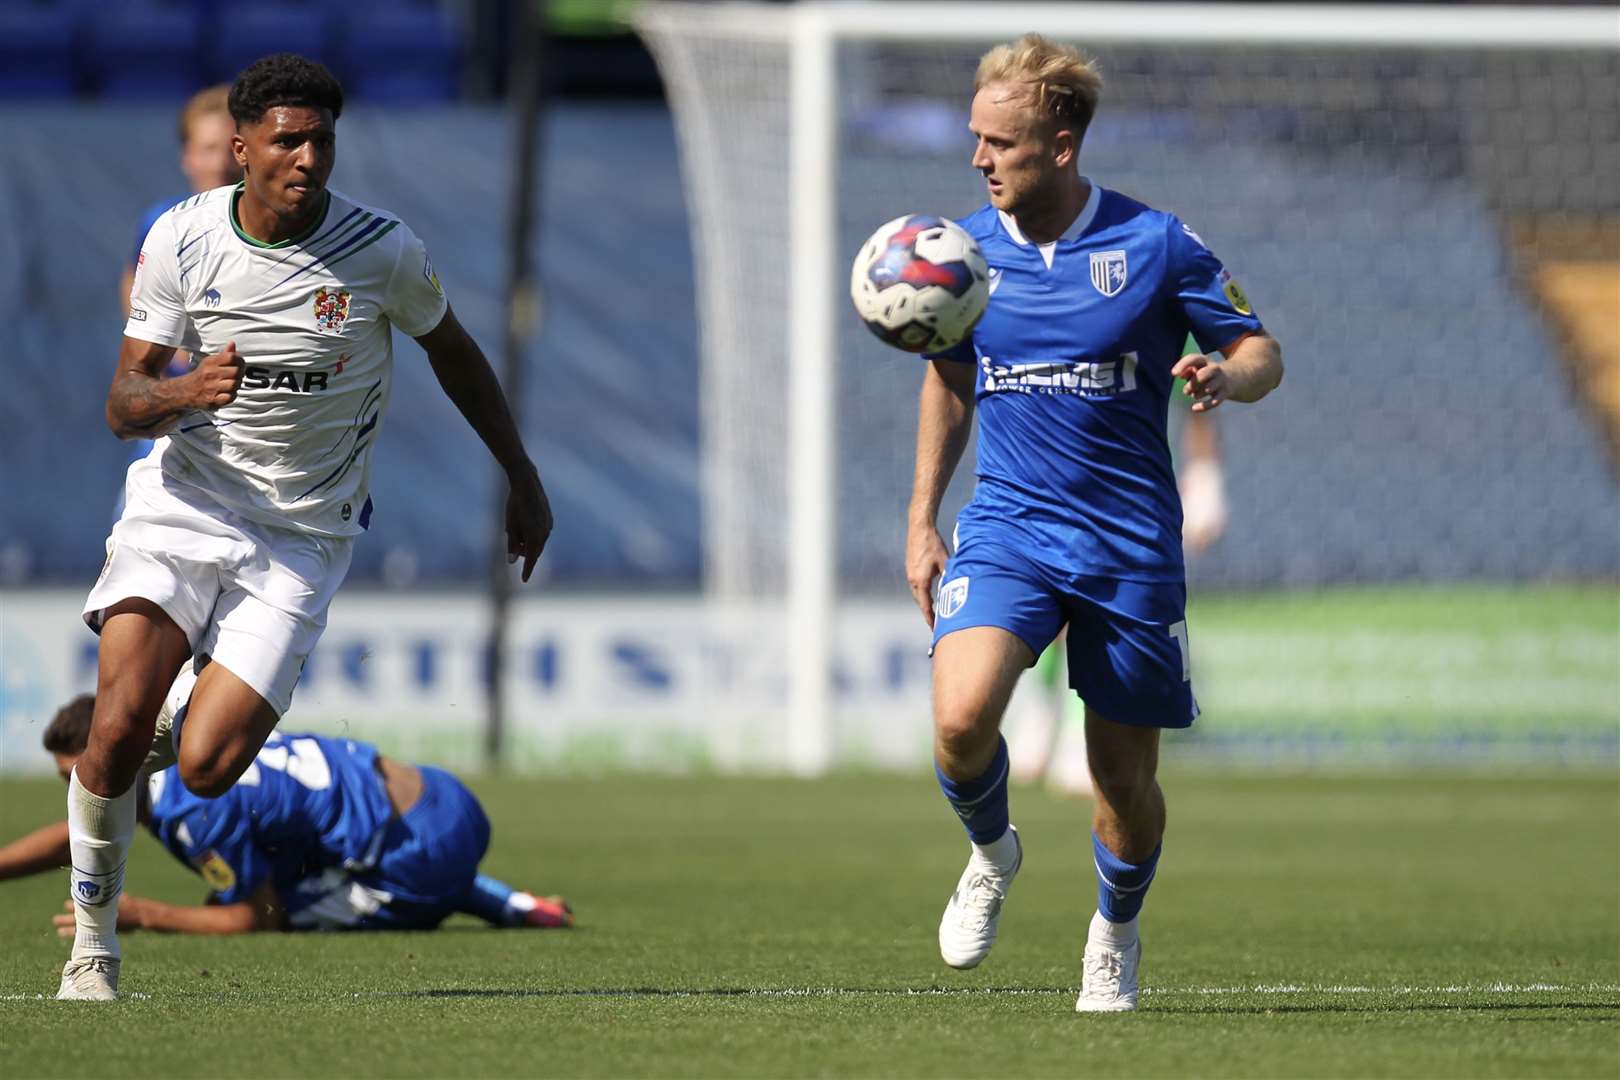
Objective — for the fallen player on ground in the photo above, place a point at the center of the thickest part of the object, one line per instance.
(318, 833)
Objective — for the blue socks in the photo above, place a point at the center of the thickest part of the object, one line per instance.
(1122, 886)
(490, 900)
(981, 803)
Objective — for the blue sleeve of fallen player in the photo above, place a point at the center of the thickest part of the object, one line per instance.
(1216, 309)
(219, 845)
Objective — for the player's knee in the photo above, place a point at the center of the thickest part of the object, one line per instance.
(963, 733)
(207, 771)
(1122, 776)
(120, 733)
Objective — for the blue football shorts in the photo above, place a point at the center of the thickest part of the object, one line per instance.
(429, 857)
(1127, 643)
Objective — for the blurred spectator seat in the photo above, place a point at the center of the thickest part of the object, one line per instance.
(247, 32)
(38, 54)
(143, 50)
(401, 52)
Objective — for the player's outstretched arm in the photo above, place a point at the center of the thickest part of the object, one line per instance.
(45, 848)
(141, 401)
(459, 365)
(1252, 369)
(262, 911)
(944, 419)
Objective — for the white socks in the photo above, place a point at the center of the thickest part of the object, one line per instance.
(1002, 853)
(1116, 935)
(99, 835)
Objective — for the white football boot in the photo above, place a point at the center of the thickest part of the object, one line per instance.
(968, 928)
(163, 752)
(1109, 978)
(93, 978)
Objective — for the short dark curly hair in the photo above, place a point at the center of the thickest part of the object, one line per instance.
(283, 79)
(69, 730)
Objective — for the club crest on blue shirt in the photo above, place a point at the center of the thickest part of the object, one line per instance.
(952, 595)
(1108, 271)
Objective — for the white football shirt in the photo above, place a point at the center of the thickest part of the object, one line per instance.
(311, 317)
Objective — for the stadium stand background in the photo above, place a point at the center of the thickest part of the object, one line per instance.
(612, 405)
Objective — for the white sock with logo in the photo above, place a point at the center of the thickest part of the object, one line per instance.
(99, 834)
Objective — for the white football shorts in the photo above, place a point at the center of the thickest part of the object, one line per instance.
(250, 596)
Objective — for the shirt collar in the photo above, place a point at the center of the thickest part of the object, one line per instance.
(1079, 225)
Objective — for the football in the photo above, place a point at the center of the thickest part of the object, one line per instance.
(920, 283)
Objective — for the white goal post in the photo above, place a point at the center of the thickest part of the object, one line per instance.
(761, 94)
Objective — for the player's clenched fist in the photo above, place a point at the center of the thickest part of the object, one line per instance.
(218, 377)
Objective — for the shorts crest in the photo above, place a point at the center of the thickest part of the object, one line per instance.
(952, 595)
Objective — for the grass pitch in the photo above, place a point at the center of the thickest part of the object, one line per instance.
(1301, 926)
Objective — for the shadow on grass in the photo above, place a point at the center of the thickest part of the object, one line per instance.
(1414, 1007)
(1610, 1009)
(1162, 1003)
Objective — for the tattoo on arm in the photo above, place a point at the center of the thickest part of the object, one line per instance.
(139, 399)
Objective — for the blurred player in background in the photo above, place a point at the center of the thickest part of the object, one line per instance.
(206, 160)
(319, 833)
(238, 528)
(1046, 722)
(1076, 518)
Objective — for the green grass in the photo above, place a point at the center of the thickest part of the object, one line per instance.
(1405, 926)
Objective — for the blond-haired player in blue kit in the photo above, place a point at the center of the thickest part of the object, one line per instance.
(1075, 519)
(238, 528)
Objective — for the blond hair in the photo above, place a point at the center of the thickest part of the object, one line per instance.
(215, 99)
(1063, 82)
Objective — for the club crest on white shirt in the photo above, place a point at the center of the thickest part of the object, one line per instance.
(332, 308)
(1108, 271)
(952, 595)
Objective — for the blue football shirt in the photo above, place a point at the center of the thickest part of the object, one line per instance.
(1074, 355)
(307, 805)
(149, 217)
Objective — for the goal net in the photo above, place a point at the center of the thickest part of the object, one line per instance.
(1420, 201)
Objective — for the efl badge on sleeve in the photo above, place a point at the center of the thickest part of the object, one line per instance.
(1108, 271)
(1235, 295)
(952, 595)
(331, 309)
(216, 872)
(433, 279)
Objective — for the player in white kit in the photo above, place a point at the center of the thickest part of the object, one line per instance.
(237, 529)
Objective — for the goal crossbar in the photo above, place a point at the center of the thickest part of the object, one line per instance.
(1419, 26)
